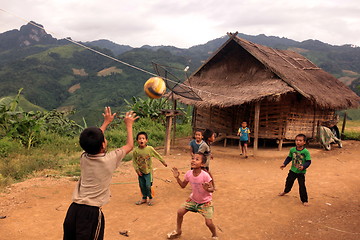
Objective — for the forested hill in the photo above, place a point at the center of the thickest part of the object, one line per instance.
(58, 74)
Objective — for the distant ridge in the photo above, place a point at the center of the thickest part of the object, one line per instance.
(44, 66)
(26, 36)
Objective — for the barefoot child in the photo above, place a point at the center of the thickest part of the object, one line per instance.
(84, 218)
(301, 160)
(200, 197)
(243, 132)
(195, 143)
(143, 166)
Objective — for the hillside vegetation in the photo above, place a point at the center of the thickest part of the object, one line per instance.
(55, 74)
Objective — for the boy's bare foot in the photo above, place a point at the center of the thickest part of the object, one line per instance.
(282, 194)
(140, 202)
(215, 238)
(246, 156)
(306, 204)
(173, 235)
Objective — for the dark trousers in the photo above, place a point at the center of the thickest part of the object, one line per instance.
(83, 222)
(301, 180)
(145, 185)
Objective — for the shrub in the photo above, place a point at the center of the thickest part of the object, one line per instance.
(116, 135)
(7, 145)
(61, 153)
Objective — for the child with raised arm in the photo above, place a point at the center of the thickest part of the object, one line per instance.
(244, 132)
(142, 162)
(84, 218)
(200, 197)
(301, 160)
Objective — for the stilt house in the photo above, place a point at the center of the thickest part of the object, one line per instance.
(279, 93)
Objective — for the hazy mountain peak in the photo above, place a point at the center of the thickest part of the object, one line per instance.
(26, 36)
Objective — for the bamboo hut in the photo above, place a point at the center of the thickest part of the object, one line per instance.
(279, 93)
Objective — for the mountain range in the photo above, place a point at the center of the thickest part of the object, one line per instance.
(56, 73)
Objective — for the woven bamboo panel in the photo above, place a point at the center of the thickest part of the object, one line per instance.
(221, 120)
(305, 120)
(282, 119)
(272, 119)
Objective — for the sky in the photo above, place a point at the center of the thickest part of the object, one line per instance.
(186, 23)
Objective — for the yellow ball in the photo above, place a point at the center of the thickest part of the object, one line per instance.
(155, 87)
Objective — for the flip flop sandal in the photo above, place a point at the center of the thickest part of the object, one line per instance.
(140, 202)
(150, 203)
(173, 235)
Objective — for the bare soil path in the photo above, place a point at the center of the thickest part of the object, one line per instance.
(246, 201)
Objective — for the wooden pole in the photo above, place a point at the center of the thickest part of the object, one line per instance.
(168, 134)
(281, 141)
(174, 127)
(343, 126)
(256, 126)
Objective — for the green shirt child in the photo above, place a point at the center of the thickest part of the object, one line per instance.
(142, 161)
(300, 160)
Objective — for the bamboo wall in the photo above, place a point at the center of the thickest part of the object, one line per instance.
(214, 118)
(282, 119)
(272, 119)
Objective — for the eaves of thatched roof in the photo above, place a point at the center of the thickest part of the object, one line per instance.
(285, 72)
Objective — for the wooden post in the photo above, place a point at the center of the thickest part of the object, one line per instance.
(343, 126)
(256, 126)
(174, 127)
(168, 134)
(170, 114)
(280, 144)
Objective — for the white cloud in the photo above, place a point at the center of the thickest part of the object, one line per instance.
(186, 23)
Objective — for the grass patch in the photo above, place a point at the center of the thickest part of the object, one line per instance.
(59, 156)
(352, 129)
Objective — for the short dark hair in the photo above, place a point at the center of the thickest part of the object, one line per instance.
(91, 140)
(198, 130)
(207, 134)
(203, 157)
(141, 133)
(301, 135)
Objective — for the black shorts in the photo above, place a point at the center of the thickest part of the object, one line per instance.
(242, 143)
(84, 222)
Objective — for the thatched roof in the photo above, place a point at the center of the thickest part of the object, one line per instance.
(241, 72)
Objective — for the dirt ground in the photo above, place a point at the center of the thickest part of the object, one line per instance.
(246, 201)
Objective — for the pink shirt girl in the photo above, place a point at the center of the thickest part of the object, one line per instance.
(199, 194)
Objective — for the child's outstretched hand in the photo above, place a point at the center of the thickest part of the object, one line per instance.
(176, 172)
(108, 116)
(130, 117)
(165, 164)
(282, 167)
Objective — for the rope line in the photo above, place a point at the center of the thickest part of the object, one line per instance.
(117, 60)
